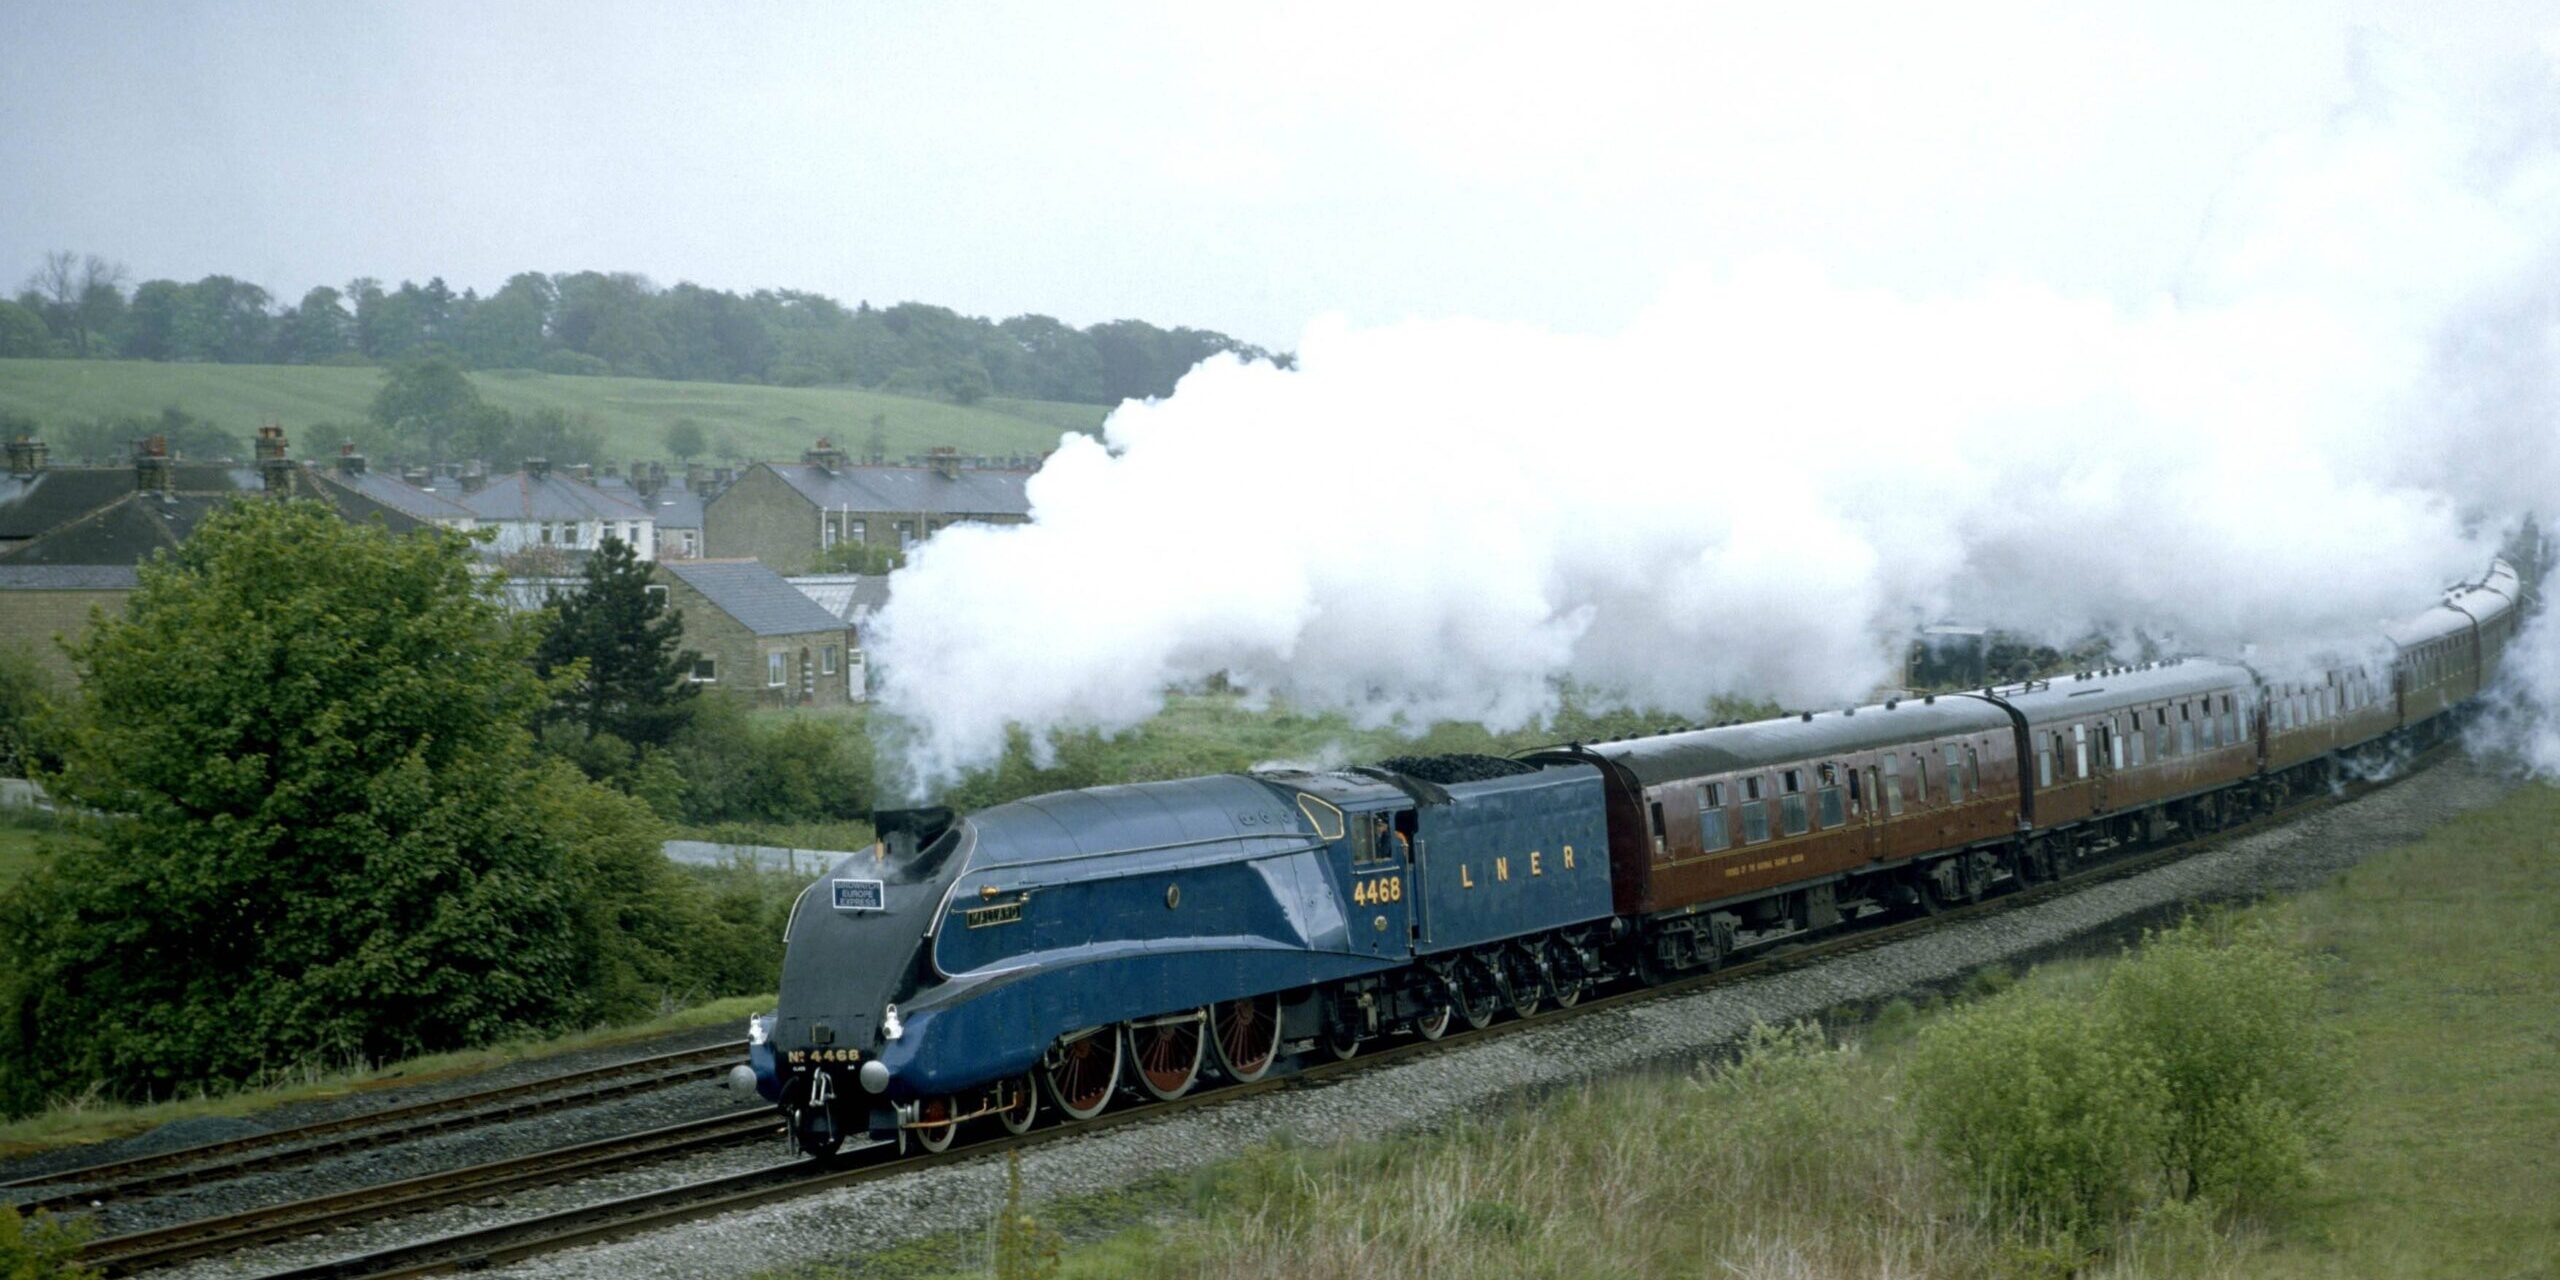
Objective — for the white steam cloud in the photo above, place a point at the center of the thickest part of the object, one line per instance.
(1769, 478)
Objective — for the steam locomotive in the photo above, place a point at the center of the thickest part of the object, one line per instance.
(1068, 950)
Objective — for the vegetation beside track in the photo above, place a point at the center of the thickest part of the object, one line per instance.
(2438, 974)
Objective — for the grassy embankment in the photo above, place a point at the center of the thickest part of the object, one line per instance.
(2444, 977)
(632, 414)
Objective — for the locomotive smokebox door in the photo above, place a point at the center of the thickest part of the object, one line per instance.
(1374, 860)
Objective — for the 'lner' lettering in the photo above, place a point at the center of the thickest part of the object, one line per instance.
(1502, 868)
(1533, 863)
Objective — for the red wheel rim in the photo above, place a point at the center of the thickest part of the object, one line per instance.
(1168, 1056)
(1248, 1036)
(1086, 1070)
(934, 1126)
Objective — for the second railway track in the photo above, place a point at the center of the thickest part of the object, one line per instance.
(284, 1148)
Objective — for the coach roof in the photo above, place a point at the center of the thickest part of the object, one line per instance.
(1698, 753)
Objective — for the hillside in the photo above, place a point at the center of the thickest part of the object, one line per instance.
(632, 413)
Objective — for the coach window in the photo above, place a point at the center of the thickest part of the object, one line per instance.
(1711, 828)
(1920, 778)
(2044, 759)
(1791, 809)
(2080, 749)
(1955, 773)
(2134, 748)
(1892, 788)
(2230, 722)
(2206, 722)
(2162, 744)
(2115, 743)
(1755, 812)
(2186, 729)
(1828, 797)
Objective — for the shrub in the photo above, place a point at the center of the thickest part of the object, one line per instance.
(2034, 1110)
(574, 364)
(40, 1248)
(2230, 1025)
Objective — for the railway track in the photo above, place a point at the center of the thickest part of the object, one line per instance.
(502, 1243)
(284, 1148)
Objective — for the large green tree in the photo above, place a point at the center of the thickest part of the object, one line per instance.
(331, 840)
(429, 404)
(616, 653)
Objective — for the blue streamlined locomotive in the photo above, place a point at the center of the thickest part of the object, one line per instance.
(1051, 951)
(1060, 951)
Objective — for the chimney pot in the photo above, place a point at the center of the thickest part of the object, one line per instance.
(537, 468)
(26, 457)
(151, 463)
(474, 479)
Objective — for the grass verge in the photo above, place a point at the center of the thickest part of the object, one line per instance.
(1798, 1160)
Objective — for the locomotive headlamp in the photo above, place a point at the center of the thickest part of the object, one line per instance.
(890, 1027)
(759, 1029)
(874, 1076)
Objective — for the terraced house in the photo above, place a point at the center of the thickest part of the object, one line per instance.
(757, 637)
(542, 507)
(789, 515)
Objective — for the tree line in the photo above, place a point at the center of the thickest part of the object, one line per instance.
(599, 322)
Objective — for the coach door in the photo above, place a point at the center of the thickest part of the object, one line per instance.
(1377, 881)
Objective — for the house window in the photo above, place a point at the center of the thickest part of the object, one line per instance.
(833, 529)
(906, 534)
(777, 668)
(691, 548)
(704, 672)
(859, 530)
(827, 661)
(546, 532)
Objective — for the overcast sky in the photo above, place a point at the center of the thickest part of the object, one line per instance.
(1245, 171)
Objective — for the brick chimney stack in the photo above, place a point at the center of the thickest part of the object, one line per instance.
(151, 469)
(696, 475)
(275, 468)
(825, 454)
(945, 460)
(350, 462)
(537, 468)
(26, 457)
(474, 479)
(585, 472)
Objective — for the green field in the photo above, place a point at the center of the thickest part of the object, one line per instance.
(1801, 1161)
(770, 423)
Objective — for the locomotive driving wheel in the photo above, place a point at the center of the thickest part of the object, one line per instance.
(1245, 1034)
(934, 1126)
(1435, 1024)
(1082, 1070)
(1566, 978)
(1479, 999)
(1167, 1053)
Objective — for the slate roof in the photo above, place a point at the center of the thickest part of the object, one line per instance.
(675, 506)
(56, 496)
(394, 493)
(126, 531)
(969, 491)
(67, 577)
(849, 596)
(761, 600)
(518, 496)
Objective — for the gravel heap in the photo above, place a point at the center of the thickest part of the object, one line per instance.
(842, 1227)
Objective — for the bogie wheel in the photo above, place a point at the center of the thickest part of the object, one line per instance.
(1435, 1024)
(1528, 987)
(1341, 1043)
(815, 1136)
(1479, 999)
(1245, 1036)
(934, 1127)
(1167, 1053)
(1025, 1109)
(1083, 1071)
(1568, 984)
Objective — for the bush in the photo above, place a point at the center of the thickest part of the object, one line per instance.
(801, 769)
(2034, 1110)
(2229, 1022)
(40, 1248)
(30, 732)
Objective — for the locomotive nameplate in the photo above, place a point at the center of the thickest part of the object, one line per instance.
(860, 895)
